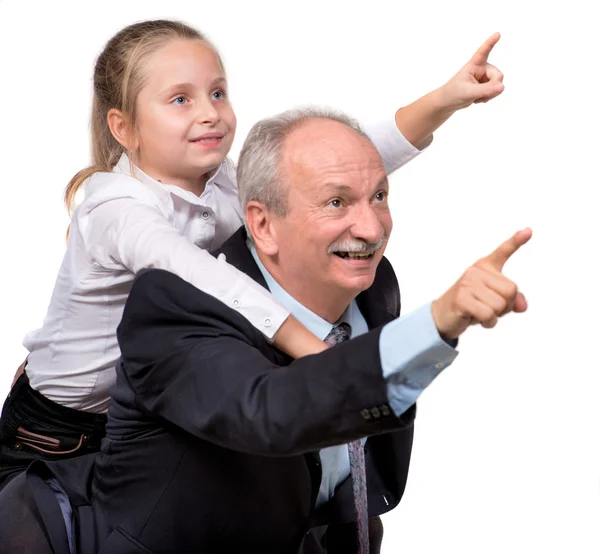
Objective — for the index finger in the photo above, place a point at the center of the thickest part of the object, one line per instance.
(481, 56)
(501, 255)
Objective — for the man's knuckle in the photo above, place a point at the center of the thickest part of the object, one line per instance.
(472, 274)
(462, 295)
(488, 313)
(500, 306)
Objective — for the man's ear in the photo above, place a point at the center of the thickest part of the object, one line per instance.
(260, 221)
(120, 128)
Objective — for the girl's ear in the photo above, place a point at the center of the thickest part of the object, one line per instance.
(260, 223)
(122, 130)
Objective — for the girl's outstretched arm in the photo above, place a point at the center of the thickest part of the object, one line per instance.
(478, 81)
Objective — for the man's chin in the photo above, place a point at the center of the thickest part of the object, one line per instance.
(355, 284)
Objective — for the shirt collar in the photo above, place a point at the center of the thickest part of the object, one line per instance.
(223, 177)
(314, 323)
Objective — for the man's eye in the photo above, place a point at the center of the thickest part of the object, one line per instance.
(380, 196)
(335, 203)
(181, 100)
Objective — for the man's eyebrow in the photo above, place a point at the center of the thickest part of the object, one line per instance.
(341, 188)
(337, 187)
(383, 183)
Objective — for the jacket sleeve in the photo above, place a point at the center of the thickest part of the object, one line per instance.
(201, 366)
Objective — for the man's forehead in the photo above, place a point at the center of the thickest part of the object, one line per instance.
(322, 145)
(315, 132)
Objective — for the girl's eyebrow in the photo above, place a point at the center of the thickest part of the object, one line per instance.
(177, 88)
(219, 81)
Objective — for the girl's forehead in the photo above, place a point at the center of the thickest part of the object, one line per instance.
(183, 60)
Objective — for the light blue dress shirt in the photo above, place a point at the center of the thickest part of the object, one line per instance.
(412, 355)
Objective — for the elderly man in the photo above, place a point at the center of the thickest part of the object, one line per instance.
(217, 442)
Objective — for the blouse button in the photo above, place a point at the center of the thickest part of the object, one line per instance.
(205, 215)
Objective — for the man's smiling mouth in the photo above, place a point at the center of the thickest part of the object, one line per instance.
(354, 255)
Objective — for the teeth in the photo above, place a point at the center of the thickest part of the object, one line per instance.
(355, 255)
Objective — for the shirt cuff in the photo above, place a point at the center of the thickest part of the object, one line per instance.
(412, 355)
(393, 147)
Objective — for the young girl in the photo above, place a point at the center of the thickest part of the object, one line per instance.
(161, 193)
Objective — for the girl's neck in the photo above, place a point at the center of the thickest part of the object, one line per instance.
(195, 185)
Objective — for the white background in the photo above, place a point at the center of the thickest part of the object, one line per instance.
(506, 455)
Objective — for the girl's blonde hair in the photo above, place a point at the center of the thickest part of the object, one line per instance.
(118, 79)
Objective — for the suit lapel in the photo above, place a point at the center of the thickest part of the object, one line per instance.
(380, 303)
(373, 310)
(239, 256)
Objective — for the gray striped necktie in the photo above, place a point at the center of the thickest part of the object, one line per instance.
(356, 454)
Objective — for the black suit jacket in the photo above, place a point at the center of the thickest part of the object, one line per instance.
(213, 434)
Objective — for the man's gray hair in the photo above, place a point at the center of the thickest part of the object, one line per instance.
(259, 175)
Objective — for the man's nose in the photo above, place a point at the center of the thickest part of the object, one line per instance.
(367, 225)
(207, 113)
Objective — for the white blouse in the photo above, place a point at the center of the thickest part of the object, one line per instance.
(126, 224)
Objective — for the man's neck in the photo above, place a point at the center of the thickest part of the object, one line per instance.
(327, 304)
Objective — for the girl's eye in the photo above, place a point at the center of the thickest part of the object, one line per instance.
(335, 203)
(219, 94)
(181, 100)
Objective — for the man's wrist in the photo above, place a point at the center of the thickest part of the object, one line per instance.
(436, 319)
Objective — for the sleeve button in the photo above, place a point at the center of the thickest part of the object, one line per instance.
(365, 414)
(267, 322)
(375, 412)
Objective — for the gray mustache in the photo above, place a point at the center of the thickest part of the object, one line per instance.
(357, 245)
